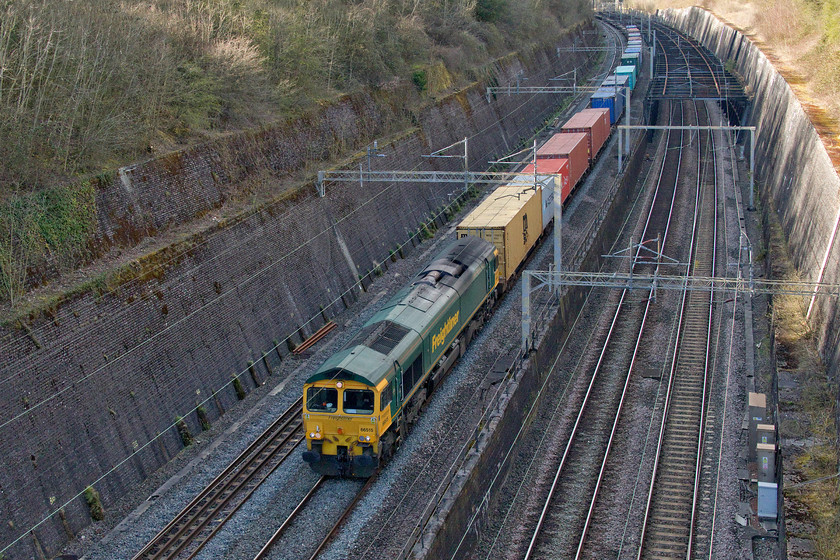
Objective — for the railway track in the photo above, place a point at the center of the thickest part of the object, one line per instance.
(561, 529)
(668, 530)
(298, 510)
(624, 475)
(187, 533)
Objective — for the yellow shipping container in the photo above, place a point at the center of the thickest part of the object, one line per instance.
(511, 219)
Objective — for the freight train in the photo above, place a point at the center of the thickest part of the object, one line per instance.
(360, 403)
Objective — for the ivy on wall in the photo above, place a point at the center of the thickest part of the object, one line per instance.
(53, 227)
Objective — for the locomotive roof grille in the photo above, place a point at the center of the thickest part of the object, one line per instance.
(382, 337)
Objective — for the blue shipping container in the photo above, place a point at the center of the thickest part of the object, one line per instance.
(609, 98)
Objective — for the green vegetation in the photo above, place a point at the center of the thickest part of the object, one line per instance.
(203, 419)
(86, 86)
(94, 502)
(184, 431)
(237, 386)
(52, 225)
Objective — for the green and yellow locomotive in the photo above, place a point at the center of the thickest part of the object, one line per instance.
(361, 401)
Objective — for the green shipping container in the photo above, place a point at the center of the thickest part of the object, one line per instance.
(630, 71)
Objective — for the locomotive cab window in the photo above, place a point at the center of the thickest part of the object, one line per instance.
(358, 401)
(322, 399)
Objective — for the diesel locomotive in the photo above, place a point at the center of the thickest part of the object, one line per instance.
(361, 401)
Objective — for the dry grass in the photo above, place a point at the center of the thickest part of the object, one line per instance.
(813, 510)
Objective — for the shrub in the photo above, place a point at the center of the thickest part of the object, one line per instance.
(237, 386)
(184, 431)
(201, 412)
(490, 11)
(418, 77)
(94, 502)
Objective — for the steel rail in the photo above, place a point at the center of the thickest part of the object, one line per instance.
(185, 528)
(344, 516)
(704, 404)
(547, 503)
(673, 393)
(276, 535)
(614, 429)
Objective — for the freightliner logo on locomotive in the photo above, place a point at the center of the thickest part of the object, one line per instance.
(440, 337)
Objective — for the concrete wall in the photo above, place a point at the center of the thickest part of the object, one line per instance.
(91, 383)
(795, 172)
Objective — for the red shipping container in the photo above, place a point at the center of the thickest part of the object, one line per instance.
(559, 167)
(573, 147)
(595, 123)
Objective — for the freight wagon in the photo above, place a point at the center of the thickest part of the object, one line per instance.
(631, 59)
(609, 98)
(621, 81)
(630, 72)
(558, 170)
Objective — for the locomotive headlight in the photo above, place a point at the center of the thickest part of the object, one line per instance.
(312, 435)
(367, 438)
(339, 384)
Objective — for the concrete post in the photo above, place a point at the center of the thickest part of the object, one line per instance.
(620, 148)
(466, 166)
(320, 185)
(558, 223)
(651, 62)
(629, 103)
